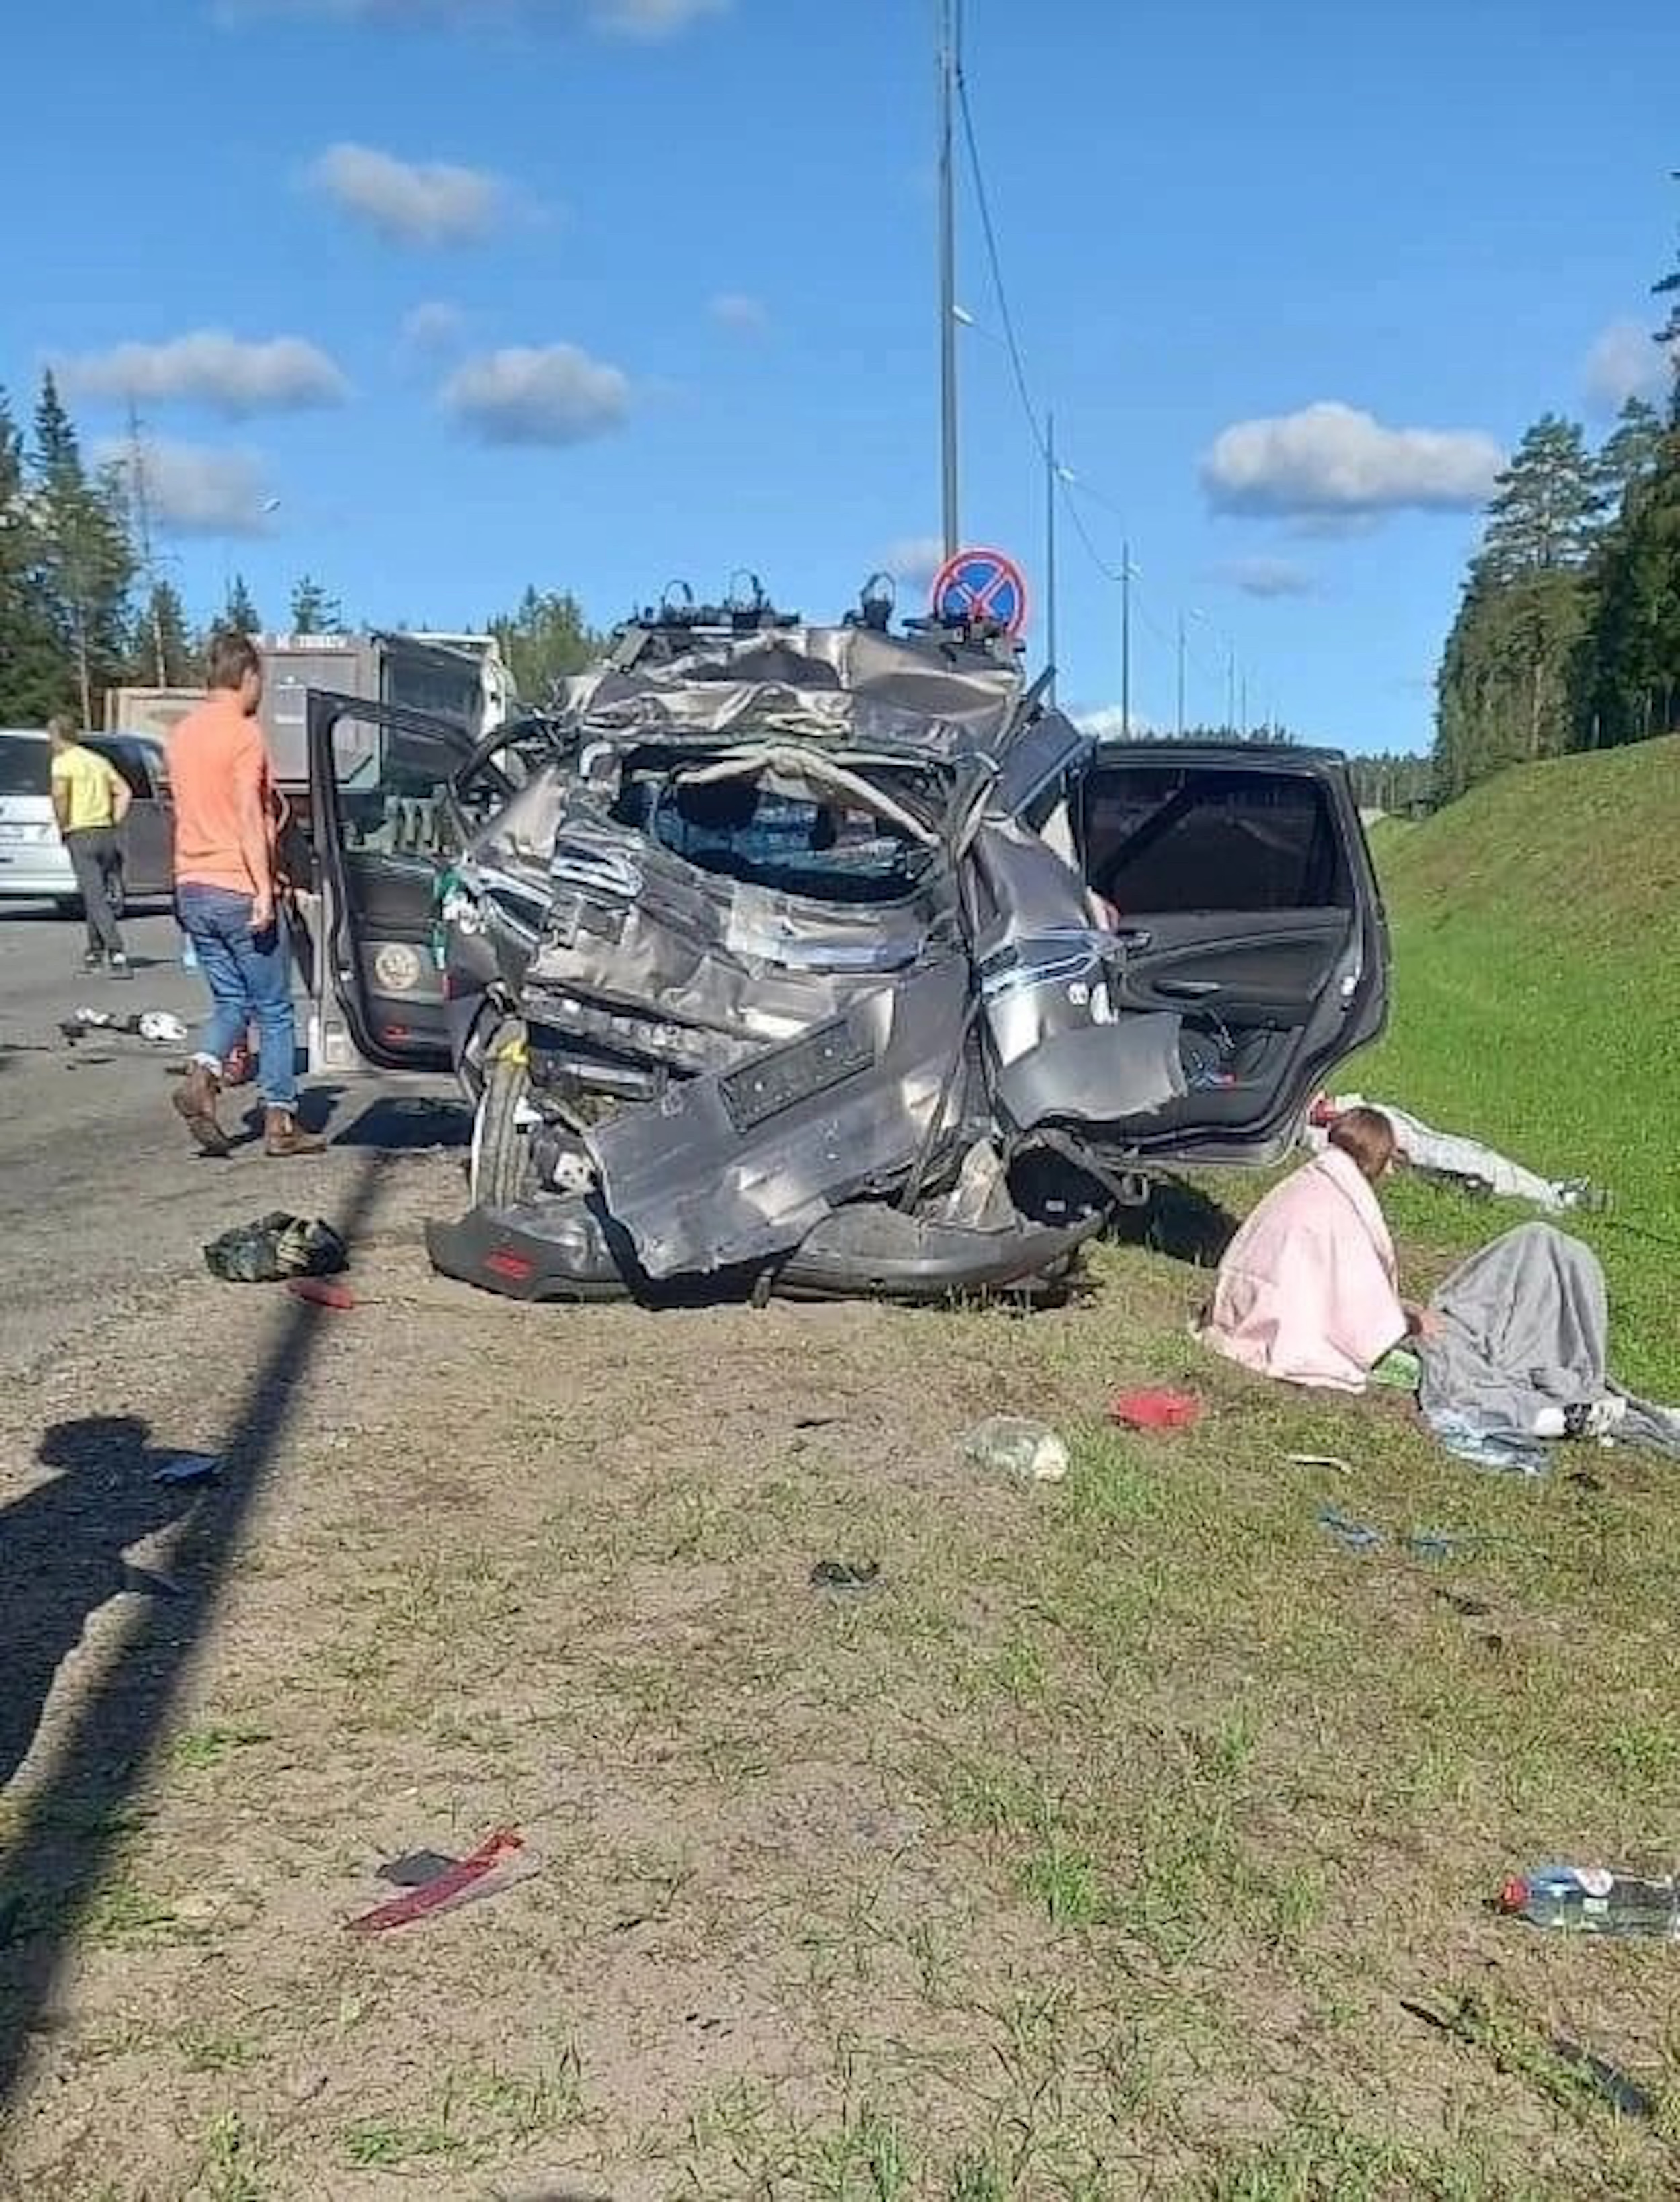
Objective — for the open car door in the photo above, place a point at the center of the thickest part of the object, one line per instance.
(394, 794)
(1246, 903)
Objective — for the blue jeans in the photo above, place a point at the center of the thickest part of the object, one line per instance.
(250, 978)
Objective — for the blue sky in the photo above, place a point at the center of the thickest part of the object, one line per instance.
(595, 293)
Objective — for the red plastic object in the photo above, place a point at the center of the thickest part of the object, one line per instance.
(1155, 1410)
(320, 1293)
(448, 1888)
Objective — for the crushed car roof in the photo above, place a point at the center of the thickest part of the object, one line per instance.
(933, 695)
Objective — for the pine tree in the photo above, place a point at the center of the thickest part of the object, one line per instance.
(162, 653)
(1636, 642)
(1635, 673)
(1630, 456)
(32, 667)
(1669, 335)
(85, 559)
(1512, 676)
(1547, 506)
(239, 614)
(313, 611)
(545, 639)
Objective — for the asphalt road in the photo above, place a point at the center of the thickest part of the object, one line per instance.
(102, 1195)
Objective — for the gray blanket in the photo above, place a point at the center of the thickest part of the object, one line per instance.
(1526, 1325)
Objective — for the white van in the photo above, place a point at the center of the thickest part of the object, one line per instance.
(34, 864)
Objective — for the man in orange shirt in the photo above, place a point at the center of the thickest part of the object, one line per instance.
(227, 899)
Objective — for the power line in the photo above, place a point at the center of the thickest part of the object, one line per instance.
(989, 232)
(1071, 485)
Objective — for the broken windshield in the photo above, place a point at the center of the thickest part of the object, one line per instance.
(827, 845)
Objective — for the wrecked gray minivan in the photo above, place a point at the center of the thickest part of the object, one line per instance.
(830, 960)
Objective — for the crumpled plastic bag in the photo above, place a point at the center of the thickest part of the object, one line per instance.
(275, 1247)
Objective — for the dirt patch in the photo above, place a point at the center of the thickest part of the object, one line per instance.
(1085, 1853)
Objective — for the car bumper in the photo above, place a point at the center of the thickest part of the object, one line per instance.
(34, 874)
(568, 1250)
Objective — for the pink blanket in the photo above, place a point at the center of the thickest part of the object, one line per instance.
(1306, 1291)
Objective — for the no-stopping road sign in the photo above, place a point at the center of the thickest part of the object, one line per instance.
(982, 585)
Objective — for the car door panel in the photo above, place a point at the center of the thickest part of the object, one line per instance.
(386, 826)
(1271, 971)
(147, 866)
(1243, 899)
(149, 859)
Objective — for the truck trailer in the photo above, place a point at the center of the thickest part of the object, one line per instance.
(460, 677)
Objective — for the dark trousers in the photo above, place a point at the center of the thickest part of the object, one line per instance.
(96, 857)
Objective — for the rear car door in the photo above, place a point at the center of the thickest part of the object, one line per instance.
(390, 802)
(1246, 903)
(148, 866)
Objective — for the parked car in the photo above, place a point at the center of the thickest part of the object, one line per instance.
(828, 960)
(35, 864)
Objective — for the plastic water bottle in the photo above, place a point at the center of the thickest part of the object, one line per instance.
(1030, 1451)
(1593, 1900)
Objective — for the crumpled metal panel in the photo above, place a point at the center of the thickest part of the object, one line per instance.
(633, 928)
(823, 683)
(697, 1193)
(1045, 966)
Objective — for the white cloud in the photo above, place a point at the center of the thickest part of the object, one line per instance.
(646, 20)
(431, 326)
(409, 202)
(650, 18)
(553, 394)
(1331, 459)
(915, 560)
(284, 375)
(1107, 722)
(738, 310)
(1268, 578)
(195, 489)
(1626, 361)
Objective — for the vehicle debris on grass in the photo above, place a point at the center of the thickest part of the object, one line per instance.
(499, 1861)
(1018, 1446)
(1155, 1409)
(275, 1247)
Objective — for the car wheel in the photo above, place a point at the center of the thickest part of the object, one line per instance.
(69, 906)
(500, 1171)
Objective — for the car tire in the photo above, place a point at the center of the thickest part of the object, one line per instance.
(500, 1172)
(69, 906)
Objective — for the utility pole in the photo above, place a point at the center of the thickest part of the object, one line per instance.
(1243, 708)
(1125, 642)
(948, 262)
(1230, 688)
(1051, 483)
(141, 496)
(1181, 676)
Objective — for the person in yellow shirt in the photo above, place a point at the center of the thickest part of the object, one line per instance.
(90, 800)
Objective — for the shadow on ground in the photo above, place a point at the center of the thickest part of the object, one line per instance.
(1180, 1222)
(61, 1559)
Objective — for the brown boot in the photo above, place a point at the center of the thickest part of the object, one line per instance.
(195, 1103)
(284, 1139)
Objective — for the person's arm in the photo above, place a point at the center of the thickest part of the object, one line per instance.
(256, 830)
(61, 795)
(122, 795)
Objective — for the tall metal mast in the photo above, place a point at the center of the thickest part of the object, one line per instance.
(949, 32)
